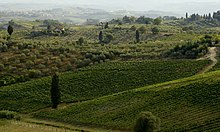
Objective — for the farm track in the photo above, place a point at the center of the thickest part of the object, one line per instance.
(63, 127)
(212, 54)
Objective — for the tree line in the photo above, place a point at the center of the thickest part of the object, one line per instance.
(207, 17)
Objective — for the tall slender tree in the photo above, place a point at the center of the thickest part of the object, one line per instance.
(137, 36)
(48, 28)
(106, 25)
(55, 91)
(186, 15)
(100, 37)
(210, 16)
(10, 30)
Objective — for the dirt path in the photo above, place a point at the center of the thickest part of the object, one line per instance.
(212, 54)
(63, 127)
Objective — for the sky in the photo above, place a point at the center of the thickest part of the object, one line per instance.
(180, 6)
(104, 1)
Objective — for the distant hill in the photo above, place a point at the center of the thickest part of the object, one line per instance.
(76, 15)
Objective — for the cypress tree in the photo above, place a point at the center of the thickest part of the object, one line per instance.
(106, 25)
(55, 91)
(137, 36)
(100, 37)
(10, 30)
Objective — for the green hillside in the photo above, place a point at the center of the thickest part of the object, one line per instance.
(96, 81)
(190, 104)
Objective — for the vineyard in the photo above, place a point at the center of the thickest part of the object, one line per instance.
(190, 104)
(96, 81)
(109, 73)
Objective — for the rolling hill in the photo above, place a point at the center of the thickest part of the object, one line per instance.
(96, 81)
(189, 104)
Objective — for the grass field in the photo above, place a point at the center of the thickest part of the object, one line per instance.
(189, 104)
(96, 81)
(18, 126)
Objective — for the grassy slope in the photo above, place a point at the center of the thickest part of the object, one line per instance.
(94, 82)
(217, 66)
(190, 104)
(18, 126)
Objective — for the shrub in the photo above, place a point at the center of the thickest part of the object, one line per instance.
(5, 114)
(3, 48)
(108, 38)
(80, 41)
(34, 73)
(142, 29)
(189, 51)
(2, 83)
(29, 63)
(2, 67)
(157, 21)
(147, 122)
(133, 28)
(155, 30)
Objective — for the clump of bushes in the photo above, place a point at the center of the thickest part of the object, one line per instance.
(147, 122)
(5, 114)
(10, 79)
(210, 40)
(189, 51)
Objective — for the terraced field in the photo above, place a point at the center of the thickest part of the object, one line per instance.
(190, 104)
(97, 81)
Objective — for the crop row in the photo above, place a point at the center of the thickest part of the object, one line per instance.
(192, 105)
(96, 81)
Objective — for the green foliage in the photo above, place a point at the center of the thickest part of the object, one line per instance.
(49, 29)
(10, 79)
(34, 73)
(108, 38)
(80, 41)
(189, 28)
(10, 30)
(55, 91)
(50, 22)
(12, 23)
(216, 15)
(142, 29)
(147, 122)
(5, 114)
(106, 25)
(133, 28)
(155, 30)
(95, 81)
(144, 20)
(189, 51)
(3, 48)
(137, 36)
(157, 21)
(100, 37)
(36, 50)
(190, 104)
(195, 17)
